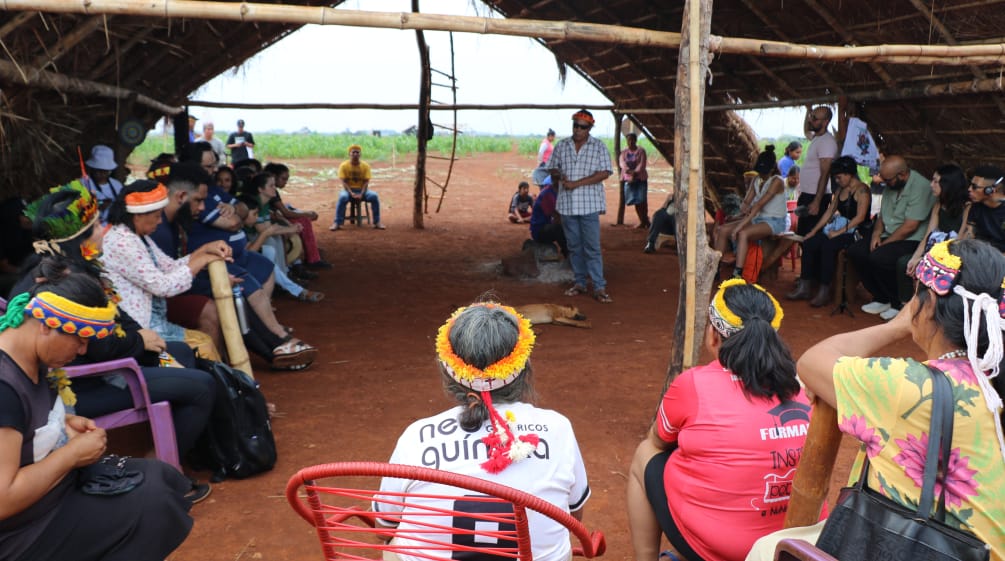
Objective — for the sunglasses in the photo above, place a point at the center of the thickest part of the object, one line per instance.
(581, 127)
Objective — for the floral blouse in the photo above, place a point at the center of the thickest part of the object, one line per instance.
(129, 262)
(886, 404)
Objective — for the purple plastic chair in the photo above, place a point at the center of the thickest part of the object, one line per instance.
(157, 414)
(799, 550)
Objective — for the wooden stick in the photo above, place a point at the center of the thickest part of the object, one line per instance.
(959, 55)
(45, 79)
(224, 297)
(809, 488)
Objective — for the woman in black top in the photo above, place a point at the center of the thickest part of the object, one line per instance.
(849, 208)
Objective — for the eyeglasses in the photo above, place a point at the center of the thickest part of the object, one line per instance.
(974, 186)
(581, 127)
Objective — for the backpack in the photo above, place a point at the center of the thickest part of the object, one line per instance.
(752, 266)
(238, 440)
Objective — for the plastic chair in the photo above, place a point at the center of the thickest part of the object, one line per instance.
(358, 211)
(800, 550)
(158, 415)
(487, 521)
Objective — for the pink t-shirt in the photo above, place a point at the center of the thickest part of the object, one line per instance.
(729, 480)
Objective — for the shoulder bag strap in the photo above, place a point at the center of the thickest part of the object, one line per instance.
(940, 436)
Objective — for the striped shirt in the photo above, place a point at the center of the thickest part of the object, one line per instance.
(591, 158)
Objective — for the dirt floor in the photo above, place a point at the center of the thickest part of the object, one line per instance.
(389, 292)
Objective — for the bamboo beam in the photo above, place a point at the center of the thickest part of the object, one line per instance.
(34, 78)
(249, 12)
(68, 41)
(15, 22)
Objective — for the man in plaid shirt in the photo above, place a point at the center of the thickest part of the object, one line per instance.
(579, 165)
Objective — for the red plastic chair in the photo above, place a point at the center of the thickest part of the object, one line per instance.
(158, 415)
(349, 520)
(799, 550)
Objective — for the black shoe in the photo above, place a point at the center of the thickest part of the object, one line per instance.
(320, 264)
(650, 248)
(302, 272)
(198, 492)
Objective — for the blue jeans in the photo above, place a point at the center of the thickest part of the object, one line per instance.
(343, 200)
(582, 234)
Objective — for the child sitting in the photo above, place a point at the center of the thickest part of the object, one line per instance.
(521, 203)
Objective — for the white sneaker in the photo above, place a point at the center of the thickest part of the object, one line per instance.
(875, 308)
(889, 314)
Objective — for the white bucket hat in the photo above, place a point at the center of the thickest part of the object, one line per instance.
(102, 157)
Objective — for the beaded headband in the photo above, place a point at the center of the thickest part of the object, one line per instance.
(142, 202)
(938, 269)
(159, 172)
(725, 321)
(583, 116)
(57, 312)
(503, 445)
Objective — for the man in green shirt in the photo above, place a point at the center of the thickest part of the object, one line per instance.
(898, 228)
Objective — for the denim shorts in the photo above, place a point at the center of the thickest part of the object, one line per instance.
(777, 223)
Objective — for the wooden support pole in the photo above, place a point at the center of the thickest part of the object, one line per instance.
(810, 485)
(619, 121)
(958, 55)
(237, 353)
(34, 78)
(422, 129)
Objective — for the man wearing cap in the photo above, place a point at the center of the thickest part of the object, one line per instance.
(192, 136)
(208, 130)
(99, 178)
(355, 176)
(580, 165)
(240, 143)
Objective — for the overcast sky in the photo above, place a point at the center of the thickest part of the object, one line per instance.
(335, 64)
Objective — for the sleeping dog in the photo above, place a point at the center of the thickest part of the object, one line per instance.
(553, 313)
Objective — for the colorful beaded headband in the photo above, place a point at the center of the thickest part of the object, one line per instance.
(725, 321)
(583, 116)
(496, 375)
(160, 172)
(142, 202)
(504, 447)
(57, 312)
(938, 269)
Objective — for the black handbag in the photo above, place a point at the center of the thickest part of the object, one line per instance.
(109, 476)
(866, 525)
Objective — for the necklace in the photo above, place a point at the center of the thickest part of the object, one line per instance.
(958, 353)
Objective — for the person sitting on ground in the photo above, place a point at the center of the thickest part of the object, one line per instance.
(711, 459)
(64, 224)
(266, 237)
(635, 178)
(664, 222)
(762, 212)
(355, 176)
(521, 203)
(483, 352)
(99, 178)
(986, 220)
(886, 402)
(836, 230)
(47, 510)
(949, 214)
(305, 218)
(545, 223)
(142, 274)
(907, 200)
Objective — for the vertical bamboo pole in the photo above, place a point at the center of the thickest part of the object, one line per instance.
(619, 121)
(694, 177)
(224, 297)
(812, 480)
(422, 130)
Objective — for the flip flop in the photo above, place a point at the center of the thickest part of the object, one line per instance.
(311, 296)
(603, 297)
(575, 290)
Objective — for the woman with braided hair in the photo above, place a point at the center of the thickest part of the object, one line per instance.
(715, 471)
(483, 353)
(50, 508)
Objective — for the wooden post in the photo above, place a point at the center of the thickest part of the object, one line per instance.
(422, 130)
(224, 297)
(618, 123)
(809, 487)
(842, 115)
(699, 260)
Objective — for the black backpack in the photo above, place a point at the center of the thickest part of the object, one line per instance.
(238, 441)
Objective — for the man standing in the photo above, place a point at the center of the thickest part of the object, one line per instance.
(814, 184)
(240, 143)
(355, 176)
(907, 202)
(219, 149)
(986, 220)
(580, 165)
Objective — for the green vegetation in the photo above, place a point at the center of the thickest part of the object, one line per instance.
(282, 147)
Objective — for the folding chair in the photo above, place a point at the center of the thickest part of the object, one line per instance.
(157, 414)
(484, 520)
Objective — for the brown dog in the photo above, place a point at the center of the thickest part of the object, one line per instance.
(553, 313)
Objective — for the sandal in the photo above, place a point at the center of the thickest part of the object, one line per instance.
(198, 492)
(602, 296)
(575, 290)
(311, 296)
(293, 353)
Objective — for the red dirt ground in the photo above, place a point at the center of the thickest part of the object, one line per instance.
(389, 292)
